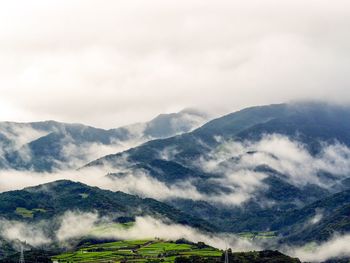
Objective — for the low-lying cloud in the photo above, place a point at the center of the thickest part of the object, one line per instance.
(337, 247)
(288, 157)
(233, 164)
(148, 227)
(33, 234)
(75, 224)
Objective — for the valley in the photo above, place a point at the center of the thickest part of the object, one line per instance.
(223, 185)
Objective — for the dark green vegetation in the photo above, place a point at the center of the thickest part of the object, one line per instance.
(333, 217)
(33, 255)
(266, 256)
(53, 199)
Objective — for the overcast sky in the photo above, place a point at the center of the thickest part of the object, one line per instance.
(114, 62)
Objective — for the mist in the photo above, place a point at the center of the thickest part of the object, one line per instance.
(33, 234)
(287, 156)
(233, 161)
(282, 154)
(336, 247)
(74, 225)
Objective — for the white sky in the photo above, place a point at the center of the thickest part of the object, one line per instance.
(114, 62)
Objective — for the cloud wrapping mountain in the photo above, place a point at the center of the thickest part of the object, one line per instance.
(48, 146)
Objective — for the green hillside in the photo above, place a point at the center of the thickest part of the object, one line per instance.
(158, 250)
(50, 200)
(138, 251)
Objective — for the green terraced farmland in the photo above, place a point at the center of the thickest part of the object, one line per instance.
(137, 251)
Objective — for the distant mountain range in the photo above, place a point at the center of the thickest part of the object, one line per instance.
(310, 123)
(50, 145)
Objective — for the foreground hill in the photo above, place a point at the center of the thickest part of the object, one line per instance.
(180, 251)
(157, 250)
(44, 146)
(49, 201)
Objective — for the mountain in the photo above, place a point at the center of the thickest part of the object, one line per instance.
(278, 170)
(51, 200)
(49, 145)
(271, 188)
(310, 123)
(318, 221)
(167, 125)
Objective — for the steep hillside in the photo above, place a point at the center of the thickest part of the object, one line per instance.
(51, 200)
(266, 183)
(310, 123)
(318, 221)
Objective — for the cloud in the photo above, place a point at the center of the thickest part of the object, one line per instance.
(337, 247)
(232, 163)
(289, 157)
(77, 155)
(33, 234)
(15, 137)
(316, 218)
(19, 134)
(75, 224)
(134, 182)
(125, 61)
(148, 227)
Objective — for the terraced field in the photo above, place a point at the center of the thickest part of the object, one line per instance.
(137, 251)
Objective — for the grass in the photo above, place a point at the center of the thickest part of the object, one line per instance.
(25, 213)
(136, 251)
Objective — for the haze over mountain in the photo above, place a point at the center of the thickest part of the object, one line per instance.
(265, 161)
(49, 145)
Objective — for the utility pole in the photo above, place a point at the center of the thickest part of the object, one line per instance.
(21, 258)
(226, 256)
(226, 252)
